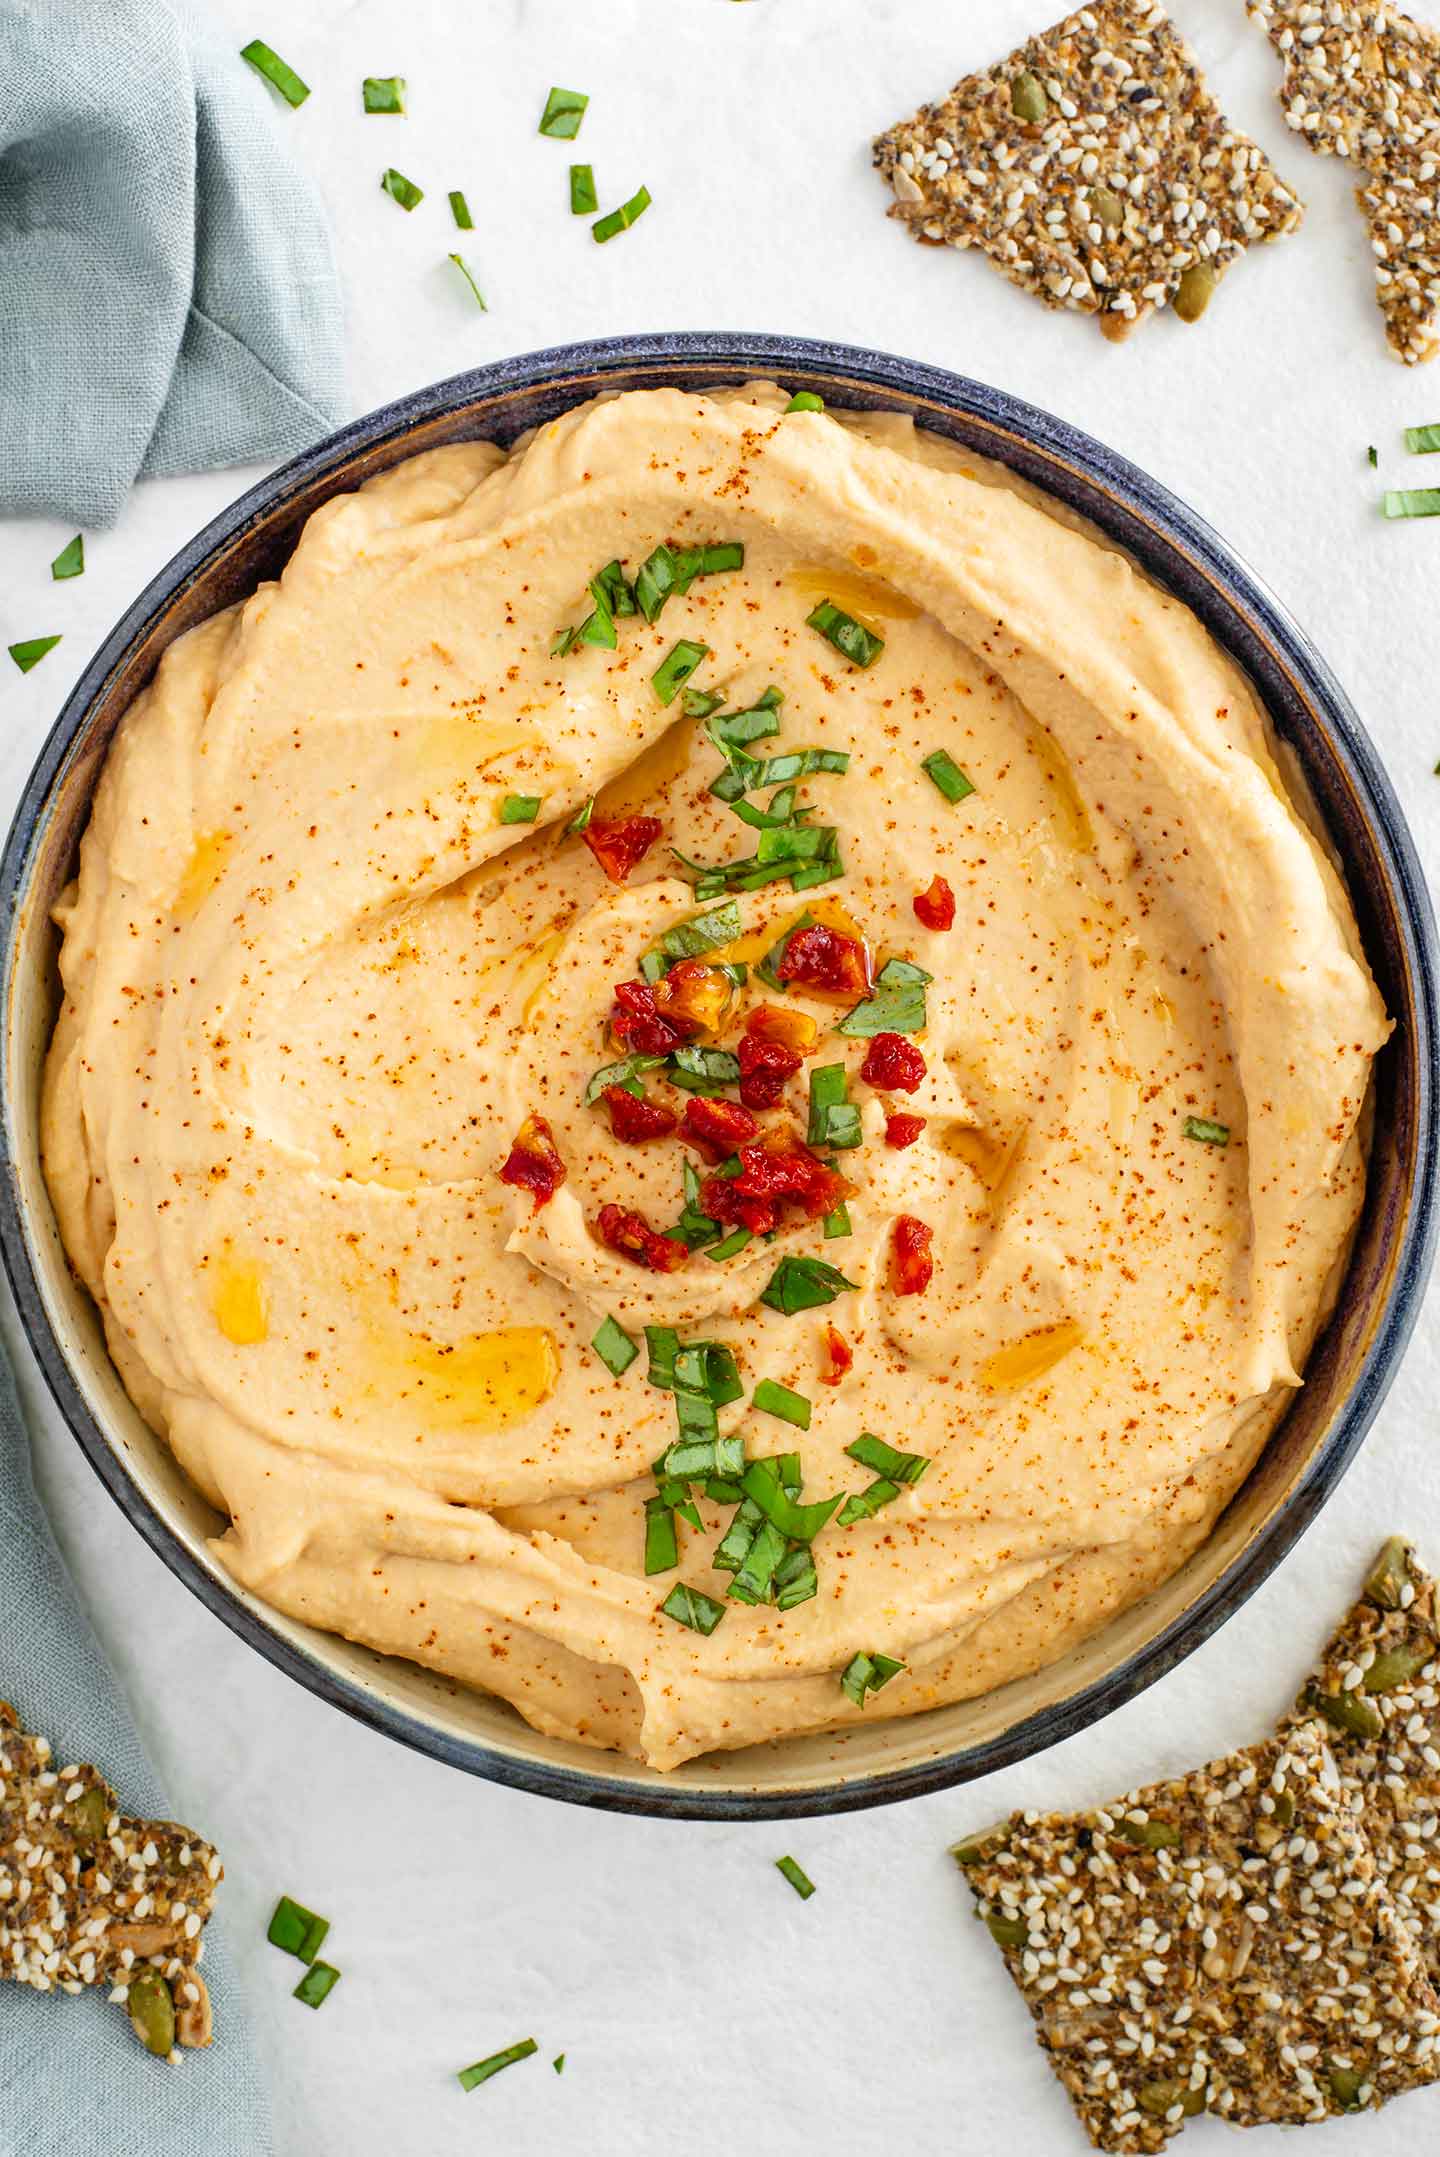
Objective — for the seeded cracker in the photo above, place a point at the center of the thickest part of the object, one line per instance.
(1220, 1942)
(1093, 167)
(1378, 1686)
(89, 1897)
(1363, 81)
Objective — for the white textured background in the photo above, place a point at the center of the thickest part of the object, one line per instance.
(700, 2003)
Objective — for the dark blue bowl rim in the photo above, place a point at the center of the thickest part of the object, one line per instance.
(796, 362)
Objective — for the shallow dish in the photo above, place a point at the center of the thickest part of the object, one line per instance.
(1352, 1364)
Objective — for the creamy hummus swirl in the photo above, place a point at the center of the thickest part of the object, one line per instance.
(314, 986)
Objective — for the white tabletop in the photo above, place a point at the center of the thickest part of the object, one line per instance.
(697, 2000)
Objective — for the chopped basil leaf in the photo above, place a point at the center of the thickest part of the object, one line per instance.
(1421, 439)
(838, 1223)
(469, 276)
(297, 1930)
(1373, 456)
(662, 1545)
(796, 1580)
(1412, 502)
(316, 1986)
(472, 2077)
(756, 1572)
(723, 1491)
(941, 768)
(520, 808)
(897, 1005)
(583, 200)
(383, 93)
(865, 1504)
(730, 729)
(699, 703)
(800, 1880)
(580, 821)
(460, 211)
(805, 400)
(676, 668)
(865, 1674)
(558, 2063)
(730, 1246)
(730, 1552)
(399, 189)
(269, 64)
(708, 1367)
(801, 1523)
(606, 228)
(688, 1606)
(70, 561)
(690, 1458)
(705, 1071)
(613, 1345)
(662, 1344)
(873, 1452)
(1206, 1130)
(564, 110)
(803, 1284)
(30, 653)
(834, 1120)
(610, 590)
(850, 638)
(624, 1073)
(774, 1399)
(702, 933)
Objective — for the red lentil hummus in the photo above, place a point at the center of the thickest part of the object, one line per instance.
(749, 874)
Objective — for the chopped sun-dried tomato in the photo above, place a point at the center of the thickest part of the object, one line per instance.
(778, 1173)
(720, 1127)
(893, 1064)
(827, 963)
(792, 1029)
(636, 1024)
(631, 1235)
(619, 843)
(764, 1068)
(635, 1117)
(533, 1163)
(839, 1356)
(695, 995)
(903, 1130)
(912, 1264)
(935, 906)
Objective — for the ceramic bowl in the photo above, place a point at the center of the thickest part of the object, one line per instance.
(1353, 1363)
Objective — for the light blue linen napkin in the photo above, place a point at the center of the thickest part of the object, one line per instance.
(74, 2080)
(168, 295)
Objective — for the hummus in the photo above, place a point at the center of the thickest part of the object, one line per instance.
(335, 946)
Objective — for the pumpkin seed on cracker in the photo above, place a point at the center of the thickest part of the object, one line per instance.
(1093, 167)
(1362, 81)
(1377, 1686)
(1220, 1942)
(89, 1896)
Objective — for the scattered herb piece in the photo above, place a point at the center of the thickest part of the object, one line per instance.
(316, 1986)
(606, 228)
(70, 561)
(384, 93)
(297, 1930)
(873, 1452)
(689, 1607)
(662, 1344)
(942, 769)
(755, 1575)
(1412, 502)
(699, 703)
(702, 933)
(625, 1073)
(662, 1546)
(774, 1399)
(1373, 457)
(850, 638)
(1420, 440)
(1206, 1130)
(803, 1885)
(865, 1504)
(460, 211)
(564, 110)
(837, 1223)
(613, 1345)
(865, 1674)
(583, 199)
(796, 1580)
(803, 1284)
(703, 1071)
(897, 1006)
(268, 63)
(730, 1246)
(805, 400)
(468, 274)
(32, 651)
(801, 1523)
(558, 2063)
(676, 668)
(399, 189)
(834, 1120)
(470, 2078)
(520, 808)
(580, 821)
